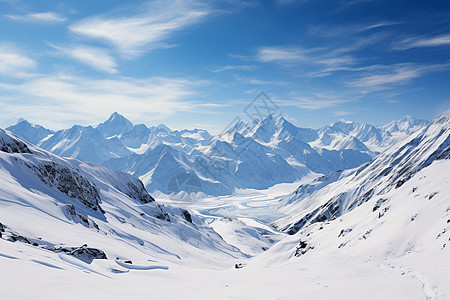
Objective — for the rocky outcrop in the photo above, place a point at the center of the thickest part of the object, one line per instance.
(138, 191)
(11, 145)
(68, 182)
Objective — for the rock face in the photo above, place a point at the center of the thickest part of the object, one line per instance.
(9, 144)
(68, 182)
(137, 191)
(88, 254)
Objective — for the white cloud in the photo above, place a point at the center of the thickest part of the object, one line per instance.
(96, 58)
(136, 34)
(71, 99)
(340, 113)
(442, 40)
(386, 76)
(14, 63)
(397, 74)
(312, 103)
(279, 54)
(232, 68)
(44, 17)
(313, 62)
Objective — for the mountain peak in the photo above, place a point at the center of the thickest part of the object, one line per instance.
(163, 127)
(115, 125)
(115, 116)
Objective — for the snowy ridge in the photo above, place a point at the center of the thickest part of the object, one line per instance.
(331, 196)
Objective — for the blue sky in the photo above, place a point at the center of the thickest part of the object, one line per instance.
(199, 63)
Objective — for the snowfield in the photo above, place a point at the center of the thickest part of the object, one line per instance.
(379, 231)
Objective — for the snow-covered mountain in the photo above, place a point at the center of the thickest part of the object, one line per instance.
(258, 154)
(57, 205)
(379, 231)
(331, 196)
(30, 132)
(385, 224)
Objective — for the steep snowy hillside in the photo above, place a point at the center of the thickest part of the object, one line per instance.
(331, 196)
(58, 205)
(396, 245)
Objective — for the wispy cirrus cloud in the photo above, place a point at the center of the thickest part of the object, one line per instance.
(314, 102)
(42, 17)
(334, 31)
(233, 68)
(315, 62)
(418, 42)
(382, 77)
(14, 63)
(72, 98)
(97, 58)
(280, 54)
(142, 32)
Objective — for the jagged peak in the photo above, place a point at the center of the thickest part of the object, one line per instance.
(116, 117)
(163, 127)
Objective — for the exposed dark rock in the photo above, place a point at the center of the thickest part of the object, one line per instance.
(444, 154)
(342, 245)
(87, 254)
(13, 146)
(18, 238)
(367, 233)
(128, 262)
(382, 212)
(380, 202)
(432, 195)
(187, 216)
(162, 215)
(2, 228)
(302, 248)
(344, 232)
(77, 217)
(69, 182)
(138, 192)
(239, 266)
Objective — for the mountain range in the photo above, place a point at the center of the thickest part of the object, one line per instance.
(257, 154)
(380, 230)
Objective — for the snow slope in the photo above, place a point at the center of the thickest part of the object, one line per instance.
(333, 195)
(66, 203)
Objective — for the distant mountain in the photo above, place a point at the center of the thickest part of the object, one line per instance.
(85, 143)
(257, 154)
(114, 126)
(30, 132)
(406, 125)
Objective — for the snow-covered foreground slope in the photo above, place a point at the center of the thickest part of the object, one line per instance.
(61, 204)
(400, 258)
